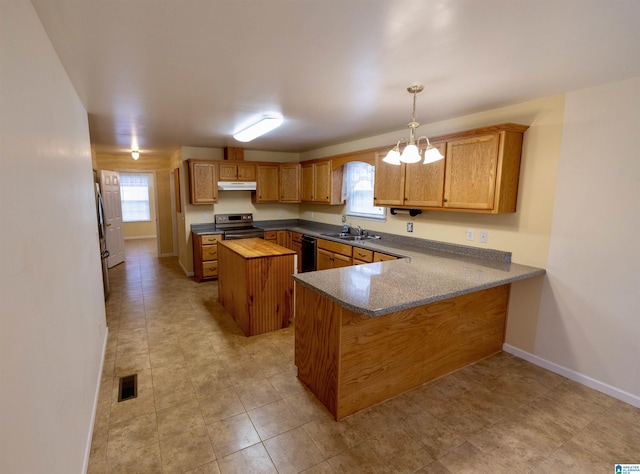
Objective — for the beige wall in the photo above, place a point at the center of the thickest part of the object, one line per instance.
(590, 311)
(52, 317)
(161, 167)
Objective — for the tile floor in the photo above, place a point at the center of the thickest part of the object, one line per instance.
(213, 401)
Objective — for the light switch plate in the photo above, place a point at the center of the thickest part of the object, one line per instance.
(471, 234)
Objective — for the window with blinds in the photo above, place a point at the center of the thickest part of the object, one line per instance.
(358, 191)
(134, 195)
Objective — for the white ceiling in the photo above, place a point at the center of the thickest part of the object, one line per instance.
(171, 73)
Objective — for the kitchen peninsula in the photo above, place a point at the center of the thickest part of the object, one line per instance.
(367, 333)
(255, 284)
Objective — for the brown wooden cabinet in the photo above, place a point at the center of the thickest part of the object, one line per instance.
(289, 182)
(270, 236)
(203, 182)
(480, 174)
(411, 185)
(283, 238)
(205, 255)
(333, 255)
(267, 183)
(381, 257)
(277, 182)
(361, 256)
(237, 171)
(320, 184)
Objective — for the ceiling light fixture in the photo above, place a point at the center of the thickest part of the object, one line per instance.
(264, 125)
(135, 154)
(412, 152)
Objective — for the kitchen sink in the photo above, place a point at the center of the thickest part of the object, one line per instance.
(347, 236)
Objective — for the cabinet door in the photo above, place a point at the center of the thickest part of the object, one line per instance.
(246, 172)
(470, 177)
(324, 259)
(388, 187)
(307, 191)
(203, 183)
(322, 181)
(228, 172)
(424, 184)
(283, 238)
(290, 182)
(267, 183)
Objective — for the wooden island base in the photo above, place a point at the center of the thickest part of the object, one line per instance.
(351, 361)
(255, 285)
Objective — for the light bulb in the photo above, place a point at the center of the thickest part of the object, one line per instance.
(135, 154)
(393, 157)
(410, 154)
(431, 155)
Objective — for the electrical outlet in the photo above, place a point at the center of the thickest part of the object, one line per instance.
(335, 218)
(471, 234)
(344, 218)
(280, 213)
(409, 226)
(204, 216)
(484, 236)
(312, 214)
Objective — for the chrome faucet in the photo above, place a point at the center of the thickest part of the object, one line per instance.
(360, 231)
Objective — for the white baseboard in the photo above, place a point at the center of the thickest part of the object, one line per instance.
(87, 450)
(189, 274)
(141, 237)
(614, 392)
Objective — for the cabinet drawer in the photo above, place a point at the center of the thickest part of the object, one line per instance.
(210, 269)
(296, 237)
(362, 254)
(209, 252)
(381, 257)
(270, 235)
(336, 247)
(210, 239)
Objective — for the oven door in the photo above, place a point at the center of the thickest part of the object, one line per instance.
(244, 234)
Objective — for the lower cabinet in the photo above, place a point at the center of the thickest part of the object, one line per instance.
(270, 235)
(333, 255)
(381, 257)
(205, 255)
(361, 256)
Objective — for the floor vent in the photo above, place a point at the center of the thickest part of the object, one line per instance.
(128, 387)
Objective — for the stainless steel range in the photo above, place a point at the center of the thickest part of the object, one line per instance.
(237, 226)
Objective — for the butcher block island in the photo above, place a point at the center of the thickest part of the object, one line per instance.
(255, 285)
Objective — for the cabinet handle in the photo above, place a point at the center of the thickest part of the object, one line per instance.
(444, 200)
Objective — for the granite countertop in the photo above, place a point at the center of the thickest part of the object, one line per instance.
(427, 271)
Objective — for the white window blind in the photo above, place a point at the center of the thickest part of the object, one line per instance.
(134, 195)
(358, 191)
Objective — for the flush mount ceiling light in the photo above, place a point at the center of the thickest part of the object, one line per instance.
(264, 125)
(135, 154)
(412, 152)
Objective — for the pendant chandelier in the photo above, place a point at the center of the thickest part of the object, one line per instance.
(412, 152)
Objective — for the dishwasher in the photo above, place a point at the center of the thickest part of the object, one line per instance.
(309, 246)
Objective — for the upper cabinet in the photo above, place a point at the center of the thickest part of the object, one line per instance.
(203, 182)
(277, 182)
(414, 185)
(289, 182)
(479, 174)
(230, 171)
(321, 184)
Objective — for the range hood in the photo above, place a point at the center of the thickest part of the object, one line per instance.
(237, 185)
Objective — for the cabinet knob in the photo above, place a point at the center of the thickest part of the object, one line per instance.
(444, 200)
